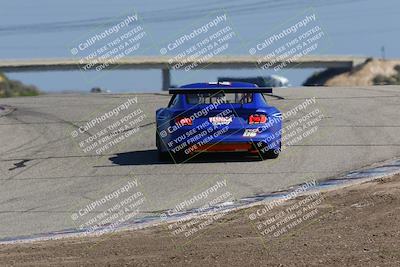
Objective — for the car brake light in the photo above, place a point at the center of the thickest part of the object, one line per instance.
(182, 121)
(257, 118)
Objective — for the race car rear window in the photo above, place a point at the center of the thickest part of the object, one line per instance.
(228, 98)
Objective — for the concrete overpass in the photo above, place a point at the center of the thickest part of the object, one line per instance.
(164, 64)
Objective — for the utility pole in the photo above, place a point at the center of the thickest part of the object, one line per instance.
(383, 52)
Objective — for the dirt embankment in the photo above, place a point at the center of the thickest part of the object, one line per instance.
(372, 72)
(356, 226)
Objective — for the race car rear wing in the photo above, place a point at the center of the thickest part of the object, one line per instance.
(266, 90)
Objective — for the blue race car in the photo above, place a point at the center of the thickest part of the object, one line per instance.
(218, 117)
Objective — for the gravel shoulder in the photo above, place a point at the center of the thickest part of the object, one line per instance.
(358, 226)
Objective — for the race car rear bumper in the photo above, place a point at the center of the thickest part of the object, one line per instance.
(224, 147)
(248, 147)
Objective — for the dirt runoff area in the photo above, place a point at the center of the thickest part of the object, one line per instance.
(358, 226)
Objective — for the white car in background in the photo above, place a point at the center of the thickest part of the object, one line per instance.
(266, 81)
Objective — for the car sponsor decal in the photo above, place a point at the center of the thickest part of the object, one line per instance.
(250, 132)
(220, 120)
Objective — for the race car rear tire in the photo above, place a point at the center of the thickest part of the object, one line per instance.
(270, 153)
(167, 156)
(179, 157)
(163, 156)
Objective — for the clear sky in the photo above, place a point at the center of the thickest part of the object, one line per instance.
(48, 29)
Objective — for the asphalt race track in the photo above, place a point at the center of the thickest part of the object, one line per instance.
(46, 177)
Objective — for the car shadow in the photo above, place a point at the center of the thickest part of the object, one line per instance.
(150, 157)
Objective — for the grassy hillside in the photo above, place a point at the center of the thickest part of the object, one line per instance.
(12, 88)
